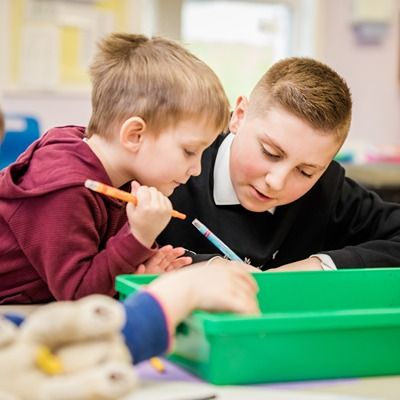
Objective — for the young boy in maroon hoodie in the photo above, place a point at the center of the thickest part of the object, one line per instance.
(156, 107)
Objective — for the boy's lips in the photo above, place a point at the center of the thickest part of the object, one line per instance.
(178, 183)
(261, 195)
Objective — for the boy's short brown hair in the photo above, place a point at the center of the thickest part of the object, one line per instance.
(155, 79)
(310, 90)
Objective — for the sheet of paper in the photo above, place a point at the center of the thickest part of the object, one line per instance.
(151, 390)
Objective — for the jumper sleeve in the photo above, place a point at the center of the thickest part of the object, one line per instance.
(146, 329)
(364, 230)
(76, 242)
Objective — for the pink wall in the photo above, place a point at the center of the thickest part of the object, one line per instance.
(372, 72)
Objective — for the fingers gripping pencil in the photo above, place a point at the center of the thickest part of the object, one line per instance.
(120, 194)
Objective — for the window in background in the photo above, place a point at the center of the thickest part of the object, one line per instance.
(238, 39)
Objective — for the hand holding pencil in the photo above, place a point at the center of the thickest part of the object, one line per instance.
(120, 195)
(148, 210)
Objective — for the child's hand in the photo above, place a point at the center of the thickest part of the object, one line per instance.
(217, 286)
(151, 214)
(166, 259)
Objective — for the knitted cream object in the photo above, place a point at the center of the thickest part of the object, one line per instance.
(66, 351)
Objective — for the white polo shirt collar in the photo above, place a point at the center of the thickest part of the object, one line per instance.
(224, 193)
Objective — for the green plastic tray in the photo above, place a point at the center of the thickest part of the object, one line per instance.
(314, 325)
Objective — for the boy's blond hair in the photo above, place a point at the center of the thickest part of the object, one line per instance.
(155, 79)
(308, 89)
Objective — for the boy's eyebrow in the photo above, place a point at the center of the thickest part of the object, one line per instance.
(196, 142)
(203, 143)
(312, 166)
(279, 148)
(276, 145)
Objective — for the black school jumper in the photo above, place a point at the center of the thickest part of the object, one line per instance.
(337, 217)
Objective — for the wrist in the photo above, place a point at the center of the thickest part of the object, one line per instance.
(316, 263)
(327, 264)
(143, 239)
(216, 259)
(177, 298)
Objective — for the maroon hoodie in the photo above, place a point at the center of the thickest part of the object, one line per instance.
(59, 240)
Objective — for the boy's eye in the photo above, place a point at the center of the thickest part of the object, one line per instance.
(306, 174)
(189, 153)
(270, 155)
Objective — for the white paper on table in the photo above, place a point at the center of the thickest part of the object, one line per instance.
(158, 390)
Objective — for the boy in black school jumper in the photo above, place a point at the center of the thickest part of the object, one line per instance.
(271, 191)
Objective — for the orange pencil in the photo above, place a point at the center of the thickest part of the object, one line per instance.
(157, 364)
(120, 194)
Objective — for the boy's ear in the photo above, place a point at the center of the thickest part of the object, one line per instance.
(131, 133)
(238, 114)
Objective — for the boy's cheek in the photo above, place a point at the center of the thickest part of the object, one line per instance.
(253, 169)
(296, 191)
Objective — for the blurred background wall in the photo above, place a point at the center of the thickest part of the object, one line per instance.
(46, 45)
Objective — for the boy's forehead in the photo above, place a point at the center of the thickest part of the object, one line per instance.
(196, 140)
(276, 121)
(196, 132)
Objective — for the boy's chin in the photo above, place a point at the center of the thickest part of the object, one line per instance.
(167, 191)
(256, 206)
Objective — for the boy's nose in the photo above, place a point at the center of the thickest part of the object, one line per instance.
(276, 179)
(195, 169)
